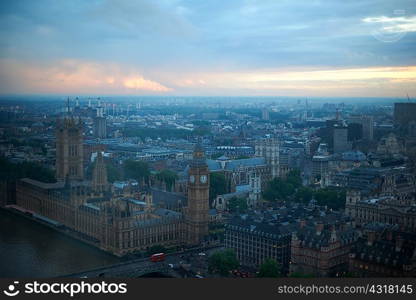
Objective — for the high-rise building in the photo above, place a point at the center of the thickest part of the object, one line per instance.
(269, 149)
(198, 198)
(69, 149)
(405, 117)
(340, 139)
(367, 124)
(100, 124)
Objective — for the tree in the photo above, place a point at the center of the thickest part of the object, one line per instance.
(223, 262)
(168, 177)
(293, 178)
(300, 275)
(237, 204)
(304, 195)
(113, 173)
(270, 268)
(278, 189)
(217, 185)
(289, 188)
(32, 170)
(333, 198)
(138, 170)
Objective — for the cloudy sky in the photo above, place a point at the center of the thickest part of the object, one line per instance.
(209, 47)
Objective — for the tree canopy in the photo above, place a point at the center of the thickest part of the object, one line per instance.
(291, 189)
(168, 177)
(113, 173)
(270, 269)
(278, 189)
(138, 170)
(333, 198)
(32, 170)
(217, 185)
(237, 204)
(222, 262)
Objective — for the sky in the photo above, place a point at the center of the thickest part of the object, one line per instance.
(328, 48)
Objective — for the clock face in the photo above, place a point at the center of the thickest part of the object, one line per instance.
(192, 178)
(203, 178)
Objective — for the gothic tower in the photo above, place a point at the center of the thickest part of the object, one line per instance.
(69, 149)
(99, 175)
(198, 198)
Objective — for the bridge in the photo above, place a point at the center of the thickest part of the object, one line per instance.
(143, 266)
(130, 269)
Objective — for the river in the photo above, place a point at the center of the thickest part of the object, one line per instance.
(29, 249)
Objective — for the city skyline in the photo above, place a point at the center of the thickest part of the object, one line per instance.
(237, 48)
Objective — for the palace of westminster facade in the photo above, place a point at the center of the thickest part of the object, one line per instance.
(116, 223)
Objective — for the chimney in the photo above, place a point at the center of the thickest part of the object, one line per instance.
(399, 243)
(371, 237)
(319, 227)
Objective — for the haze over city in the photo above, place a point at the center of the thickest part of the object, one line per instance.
(209, 48)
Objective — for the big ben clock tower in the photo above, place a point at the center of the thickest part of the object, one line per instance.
(198, 198)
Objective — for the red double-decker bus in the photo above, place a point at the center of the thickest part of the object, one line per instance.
(157, 257)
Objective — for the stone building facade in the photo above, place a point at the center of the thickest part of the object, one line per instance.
(387, 253)
(392, 209)
(254, 242)
(322, 251)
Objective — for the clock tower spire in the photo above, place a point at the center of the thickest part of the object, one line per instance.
(198, 198)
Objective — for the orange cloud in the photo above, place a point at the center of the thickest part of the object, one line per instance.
(74, 76)
(86, 77)
(139, 83)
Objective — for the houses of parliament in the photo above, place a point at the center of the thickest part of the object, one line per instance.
(119, 223)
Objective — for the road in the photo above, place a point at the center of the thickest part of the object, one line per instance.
(185, 264)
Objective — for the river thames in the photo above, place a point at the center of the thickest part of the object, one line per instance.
(29, 249)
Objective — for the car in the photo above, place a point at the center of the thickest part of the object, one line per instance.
(201, 254)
